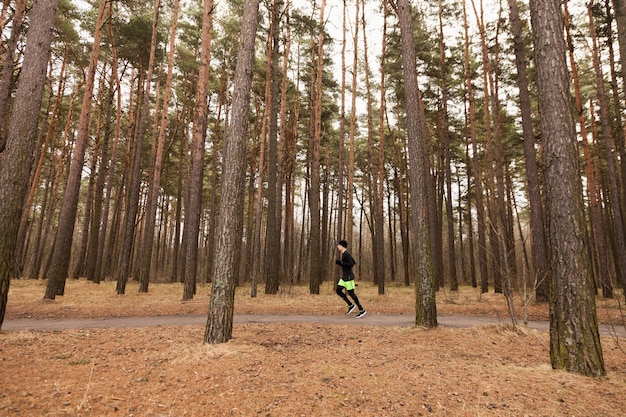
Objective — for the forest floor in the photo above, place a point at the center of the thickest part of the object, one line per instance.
(339, 367)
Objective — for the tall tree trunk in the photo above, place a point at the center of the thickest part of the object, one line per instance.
(154, 182)
(17, 159)
(377, 169)
(352, 149)
(315, 252)
(132, 209)
(96, 218)
(339, 234)
(537, 235)
(611, 169)
(620, 17)
(282, 151)
(103, 250)
(595, 208)
(618, 123)
(220, 321)
(274, 194)
(445, 133)
(194, 193)
(425, 306)
(67, 214)
(574, 338)
(477, 171)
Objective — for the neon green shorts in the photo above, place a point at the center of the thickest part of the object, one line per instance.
(348, 285)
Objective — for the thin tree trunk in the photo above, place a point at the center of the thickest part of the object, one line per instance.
(315, 252)
(154, 183)
(611, 169)
(535, 207)
(128, 239)
(377, 169)
(194, 193)
(454, 281)
(595, 208)
(478, 187)
(274, 194)
(620, 16)
(352, 149)
(339, 234)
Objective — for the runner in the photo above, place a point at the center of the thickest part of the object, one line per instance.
(347, 280)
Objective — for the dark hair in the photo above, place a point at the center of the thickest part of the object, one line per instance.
(343, 243)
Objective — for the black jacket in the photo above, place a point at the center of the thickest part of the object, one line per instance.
(346, 262)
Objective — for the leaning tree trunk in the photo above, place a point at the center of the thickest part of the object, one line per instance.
(17, 159)
(574, 338)
(219, 326)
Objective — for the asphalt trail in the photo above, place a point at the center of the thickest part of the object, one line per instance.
(402, 320)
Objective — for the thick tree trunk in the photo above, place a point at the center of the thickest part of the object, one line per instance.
(17, 159)
(67, 215)
(220, 321)
(574, 338)
(425, 306)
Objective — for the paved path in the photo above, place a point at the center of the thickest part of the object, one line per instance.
(182, 320)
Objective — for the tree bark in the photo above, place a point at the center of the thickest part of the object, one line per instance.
(17, 159)
(194, 194)
(537, 235)
(132, 207)
(154, 183)
(574, 338)
(611, 169)
(274, 194)
(67, 214)
(377, 170)
(220, 321)
(425, 306)
(315, 251)
(445, 133)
